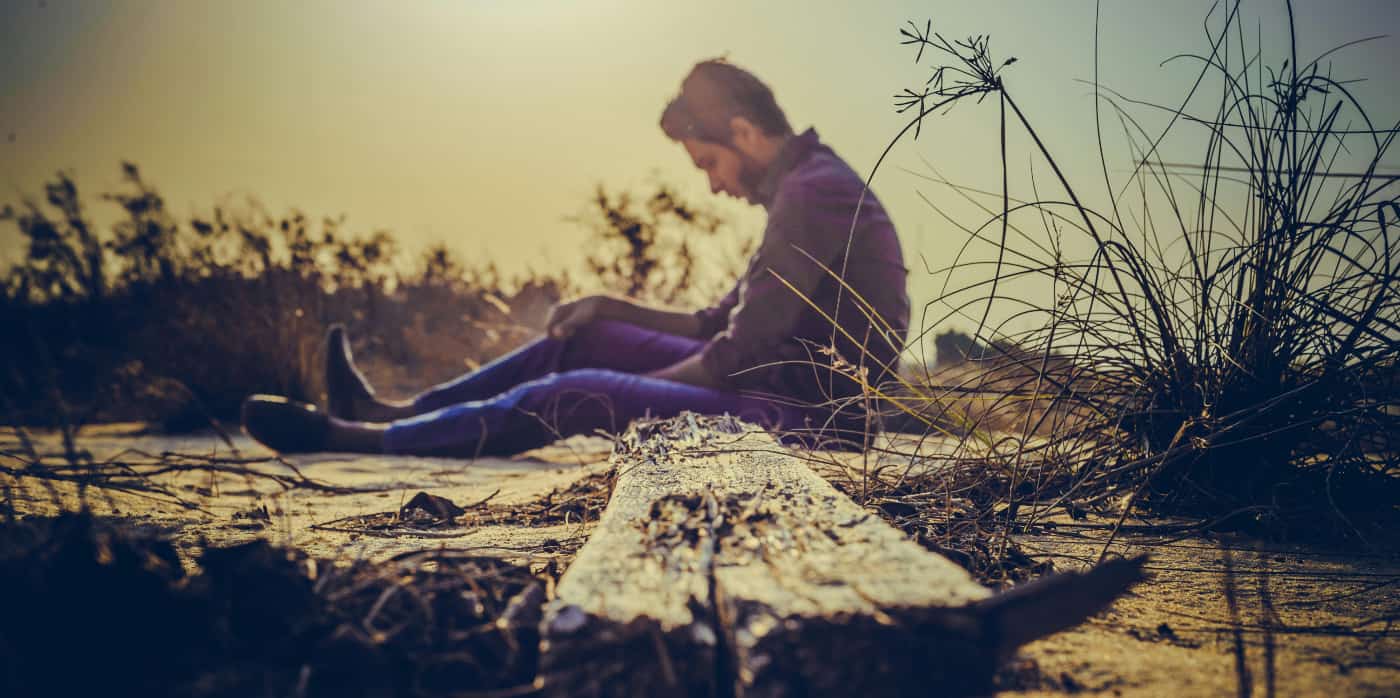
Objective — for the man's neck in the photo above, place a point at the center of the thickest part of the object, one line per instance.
(761, 186)
(767, 150)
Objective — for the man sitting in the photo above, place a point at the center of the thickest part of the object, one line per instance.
(821, 309)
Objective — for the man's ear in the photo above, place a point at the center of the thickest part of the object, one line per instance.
(744, 134)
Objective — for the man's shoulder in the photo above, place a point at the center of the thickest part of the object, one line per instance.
(821, 167)
(823, 178)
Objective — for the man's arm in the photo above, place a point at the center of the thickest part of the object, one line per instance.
(567, 317)
(683, 324)
(804, 224)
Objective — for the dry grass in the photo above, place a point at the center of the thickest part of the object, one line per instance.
(256, 620)
(1227, 348)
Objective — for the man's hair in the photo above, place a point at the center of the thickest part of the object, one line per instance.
(715, 92)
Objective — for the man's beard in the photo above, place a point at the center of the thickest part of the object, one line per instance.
(751, 176)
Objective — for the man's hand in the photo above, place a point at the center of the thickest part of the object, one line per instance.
(565, 318)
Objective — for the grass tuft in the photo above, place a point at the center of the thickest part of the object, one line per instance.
(1226, 350)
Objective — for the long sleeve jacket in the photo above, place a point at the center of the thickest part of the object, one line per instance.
(826, 287)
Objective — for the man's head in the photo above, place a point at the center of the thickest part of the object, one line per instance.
(729, 124)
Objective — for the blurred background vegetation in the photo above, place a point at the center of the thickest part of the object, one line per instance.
(174, 321)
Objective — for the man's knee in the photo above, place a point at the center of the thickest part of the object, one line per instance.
(597, 344)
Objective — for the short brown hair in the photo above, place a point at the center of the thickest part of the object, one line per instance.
(714, 92)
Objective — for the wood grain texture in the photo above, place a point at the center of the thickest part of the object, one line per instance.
(633, 614)
(725, 566)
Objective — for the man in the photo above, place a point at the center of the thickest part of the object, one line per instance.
(820, 310)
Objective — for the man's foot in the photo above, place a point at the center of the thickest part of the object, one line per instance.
(348, 393)
(284, 425)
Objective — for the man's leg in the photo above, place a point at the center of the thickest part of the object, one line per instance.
(603, 344)
(538, 412)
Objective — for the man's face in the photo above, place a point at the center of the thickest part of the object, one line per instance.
(730, 171)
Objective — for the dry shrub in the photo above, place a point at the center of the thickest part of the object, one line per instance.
(158, 319)
(171, 321)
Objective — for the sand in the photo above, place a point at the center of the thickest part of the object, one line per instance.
(1306, 621)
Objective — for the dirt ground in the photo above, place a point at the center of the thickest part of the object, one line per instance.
(344, 525)
(1219, 616)
(1224, 616)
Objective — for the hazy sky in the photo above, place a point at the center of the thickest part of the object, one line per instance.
(485, 124)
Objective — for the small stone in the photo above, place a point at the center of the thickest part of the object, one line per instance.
(568, 620)
(704, 634)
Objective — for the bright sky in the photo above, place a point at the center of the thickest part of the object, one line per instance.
(485, 124)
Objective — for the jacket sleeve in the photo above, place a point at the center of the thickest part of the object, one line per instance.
(770, 295)
(716, 317)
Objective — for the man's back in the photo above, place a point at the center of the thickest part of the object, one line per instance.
(771, 329)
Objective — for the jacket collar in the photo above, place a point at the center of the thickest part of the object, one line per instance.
(794, 151)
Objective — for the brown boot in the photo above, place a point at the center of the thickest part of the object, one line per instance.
(346, 387)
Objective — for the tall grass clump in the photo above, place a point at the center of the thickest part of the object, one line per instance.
(1226, 348)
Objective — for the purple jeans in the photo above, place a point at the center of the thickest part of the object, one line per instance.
(554, 388)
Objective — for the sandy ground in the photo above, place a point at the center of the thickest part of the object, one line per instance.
(1220, 616)
(230, 507)
(1304, 622)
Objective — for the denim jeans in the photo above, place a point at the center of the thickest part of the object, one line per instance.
(554, 388)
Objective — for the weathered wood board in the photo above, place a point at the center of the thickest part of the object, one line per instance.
(633, 614)
(725, 566)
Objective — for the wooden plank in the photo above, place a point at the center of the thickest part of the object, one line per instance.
(632, 614)
(724, 566)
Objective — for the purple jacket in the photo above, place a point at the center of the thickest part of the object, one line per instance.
(764, 336)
